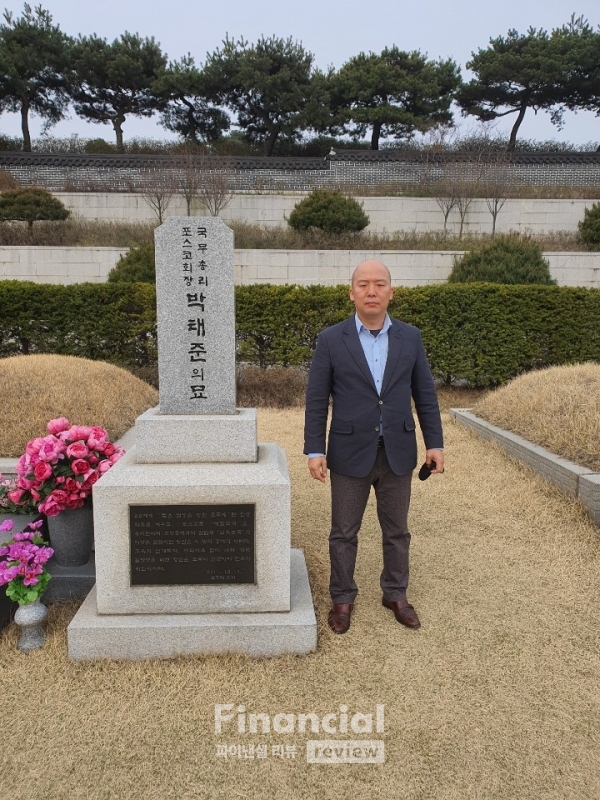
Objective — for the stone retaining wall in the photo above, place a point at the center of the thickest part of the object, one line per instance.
(64, 265)
(386, 214)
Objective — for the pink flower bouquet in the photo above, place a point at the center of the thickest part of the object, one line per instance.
(8, 486)
(58, 471)
(22, 563)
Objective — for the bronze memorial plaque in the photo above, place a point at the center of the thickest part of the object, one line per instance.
(175, 545)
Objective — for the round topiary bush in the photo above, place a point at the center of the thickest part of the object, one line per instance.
(31, 204)
(508, 259)
(329, 210)
(135, 267)
(589, 227)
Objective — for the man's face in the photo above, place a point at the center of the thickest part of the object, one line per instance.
(371, 291)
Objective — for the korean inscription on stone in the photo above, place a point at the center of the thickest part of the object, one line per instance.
(196, 319)
(192, 544)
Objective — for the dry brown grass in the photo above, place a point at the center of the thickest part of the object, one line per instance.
(76, 232)
(495, 698)
(7, 181)
(557, 408)
(274, 387)
(254, 236)
(37, 388)
(519, 191)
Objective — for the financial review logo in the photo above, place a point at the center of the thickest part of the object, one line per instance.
(230, 719)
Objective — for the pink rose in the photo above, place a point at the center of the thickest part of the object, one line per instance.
(115, 457)
(109, 449)
(33, 447)
(77, 432)
(15, 496)
(74, 502)
(25, 483)
(104, 466)
(77, 450)
(42, 471)
(49, 507)
(58, 425)
(89, 481)
(71, 485)
(52, 449)
(59, 496)
(97, 438)
(93, 460)
(79, 466)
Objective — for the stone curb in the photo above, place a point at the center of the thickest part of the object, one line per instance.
(578, 482)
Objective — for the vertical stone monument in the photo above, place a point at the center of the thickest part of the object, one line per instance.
(192, 525)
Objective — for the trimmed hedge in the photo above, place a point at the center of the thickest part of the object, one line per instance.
(483, 333)
(113, 322)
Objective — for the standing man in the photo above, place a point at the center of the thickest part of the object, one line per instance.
(371, 366)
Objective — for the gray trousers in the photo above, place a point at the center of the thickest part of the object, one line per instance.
(348, 501)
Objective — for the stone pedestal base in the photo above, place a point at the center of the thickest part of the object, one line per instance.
(68, 582)
(139, 636)
(264, 484)
(193, 439)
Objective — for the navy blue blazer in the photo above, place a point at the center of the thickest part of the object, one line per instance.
(339, 370)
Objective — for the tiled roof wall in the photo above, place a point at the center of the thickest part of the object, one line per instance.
(94, 172)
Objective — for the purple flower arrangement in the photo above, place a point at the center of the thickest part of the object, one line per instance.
(23, 563)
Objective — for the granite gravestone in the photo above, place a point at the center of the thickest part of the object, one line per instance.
(174, 574)
(196, 318)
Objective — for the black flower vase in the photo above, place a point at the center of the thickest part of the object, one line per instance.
(72, 535)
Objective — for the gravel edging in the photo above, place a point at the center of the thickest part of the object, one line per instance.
(578, 482)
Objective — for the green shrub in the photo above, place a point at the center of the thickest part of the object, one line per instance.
(485, 334)
(329, 210)
(589, 227)
(30, 205)
(137, 265)
(507, 259)
(99, 145)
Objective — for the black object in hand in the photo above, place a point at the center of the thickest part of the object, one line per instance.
(425, 470)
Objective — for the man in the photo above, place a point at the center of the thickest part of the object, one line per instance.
(371, 366)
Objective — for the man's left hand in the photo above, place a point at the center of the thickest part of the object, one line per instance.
(438, 457)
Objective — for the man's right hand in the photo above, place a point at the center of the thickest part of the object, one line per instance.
(318, 468)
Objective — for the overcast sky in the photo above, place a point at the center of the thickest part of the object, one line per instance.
(334, 30)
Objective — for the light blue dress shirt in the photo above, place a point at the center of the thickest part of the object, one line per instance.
(375, 349)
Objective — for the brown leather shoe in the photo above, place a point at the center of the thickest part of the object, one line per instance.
(339, 617)
(405, 614)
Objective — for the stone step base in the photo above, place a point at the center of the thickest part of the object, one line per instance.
(68, 582)
(140, 636)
